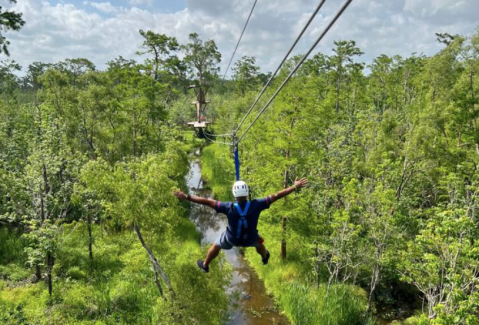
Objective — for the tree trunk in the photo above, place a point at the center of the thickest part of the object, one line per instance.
(42, 208)
(158, 285)
(45, 190)
(90, 240)
(338, 90)
(473, 97)
(318, 265)
(134, 134)
(157, 63)
(38, 273)
(50, 263)
(156, 266)
(373, 284)
(283, 240)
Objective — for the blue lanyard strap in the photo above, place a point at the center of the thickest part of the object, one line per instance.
(237, 164)
(243, 222)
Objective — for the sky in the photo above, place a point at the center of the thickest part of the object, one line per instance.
(104, 30)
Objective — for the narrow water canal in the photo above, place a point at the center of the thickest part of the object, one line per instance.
(250, 305)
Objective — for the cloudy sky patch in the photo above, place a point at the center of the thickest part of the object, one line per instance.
(103, 30)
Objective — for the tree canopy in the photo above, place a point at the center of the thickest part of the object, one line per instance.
(387, 231)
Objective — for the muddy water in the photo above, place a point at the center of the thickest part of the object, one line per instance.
(250, 305)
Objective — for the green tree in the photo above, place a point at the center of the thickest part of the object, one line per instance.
(34, 72)
(202, 59)
(9, 20)
(49, 176)
(138, 108)
(164, 63)
(342, 64)
(138, 195)
(442, 262)
(8, 80)
(246, 74)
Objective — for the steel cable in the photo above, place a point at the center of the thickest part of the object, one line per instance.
(220, 142)
(239, 40)
(343, 8)
(313, 15)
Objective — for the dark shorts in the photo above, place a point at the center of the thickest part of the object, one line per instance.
(223, 243)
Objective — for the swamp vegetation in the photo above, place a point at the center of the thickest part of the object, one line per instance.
(387, 231)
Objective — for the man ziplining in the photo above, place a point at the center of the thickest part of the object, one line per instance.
(242, 217)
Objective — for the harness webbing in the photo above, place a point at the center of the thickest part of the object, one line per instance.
(243, 222)
(237, 164)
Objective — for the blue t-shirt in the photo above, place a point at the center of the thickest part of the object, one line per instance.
(248, 236)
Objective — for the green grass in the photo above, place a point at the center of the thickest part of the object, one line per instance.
(190, 141)
(12, 246)
(14, 272)
(118, 288)
(302, 302)
(339, 304)
(217, 168)
(288, 280)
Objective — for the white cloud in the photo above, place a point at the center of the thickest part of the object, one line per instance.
(105, 7)
(55, 32)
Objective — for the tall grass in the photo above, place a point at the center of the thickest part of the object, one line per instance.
(218, 169)
(118, 288)
(12, 246)
(303, 304)
(339, 305)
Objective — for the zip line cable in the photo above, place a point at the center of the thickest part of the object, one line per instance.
(282, 62)
(219, 135)
(343, 8)
(236, 48)
(220, 142)
(239, 40)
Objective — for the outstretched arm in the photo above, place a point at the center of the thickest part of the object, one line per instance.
(297, 184)
(196, 199)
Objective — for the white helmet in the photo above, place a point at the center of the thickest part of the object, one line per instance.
(240, 189)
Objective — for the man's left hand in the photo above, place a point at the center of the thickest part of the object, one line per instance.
(301, 183)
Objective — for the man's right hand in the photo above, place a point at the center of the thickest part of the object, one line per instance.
(179, 194)
(195, 199)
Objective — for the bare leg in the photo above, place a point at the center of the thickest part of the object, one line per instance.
(261, 249)
(212, 253)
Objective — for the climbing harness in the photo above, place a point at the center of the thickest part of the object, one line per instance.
(242, 222)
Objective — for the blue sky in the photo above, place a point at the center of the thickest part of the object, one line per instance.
(102, 30)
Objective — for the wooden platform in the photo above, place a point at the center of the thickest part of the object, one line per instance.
(199, 124)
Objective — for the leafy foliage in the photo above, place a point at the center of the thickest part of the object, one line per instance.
(9, 20)
(392, 158)
(390, 218)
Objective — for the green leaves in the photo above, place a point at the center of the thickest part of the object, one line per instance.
(138, 190)
(201, 59)
(42, 239)
(391, 155)
(440, 261)
(246, 74)
(9, 20)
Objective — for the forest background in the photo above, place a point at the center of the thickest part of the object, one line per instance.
(90, 233)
